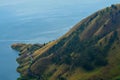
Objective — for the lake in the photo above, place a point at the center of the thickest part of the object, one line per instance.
(38, 21)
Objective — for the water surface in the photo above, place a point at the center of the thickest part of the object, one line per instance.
(38, 21)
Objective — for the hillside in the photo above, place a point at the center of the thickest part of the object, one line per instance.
(89, 51)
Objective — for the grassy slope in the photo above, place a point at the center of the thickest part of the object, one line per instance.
(58, 60)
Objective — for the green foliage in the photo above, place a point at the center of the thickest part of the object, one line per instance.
(27, 78)
(117, 78)
(91, 58)
(62, 78)
(77, 52)
(34, 47)
(114, 6)
(111, 41)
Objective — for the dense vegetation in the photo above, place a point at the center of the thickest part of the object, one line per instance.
(89, 51)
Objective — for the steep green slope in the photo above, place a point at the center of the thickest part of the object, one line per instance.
(89, 51)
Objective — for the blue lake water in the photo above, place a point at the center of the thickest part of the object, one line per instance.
(38, 21)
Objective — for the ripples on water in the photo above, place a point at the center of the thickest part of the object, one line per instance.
(38, 21)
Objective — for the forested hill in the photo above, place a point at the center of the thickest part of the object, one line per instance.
(89, 51)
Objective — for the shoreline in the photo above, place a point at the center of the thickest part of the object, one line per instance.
(25, 58)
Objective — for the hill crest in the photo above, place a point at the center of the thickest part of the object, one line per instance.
(89, 51)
